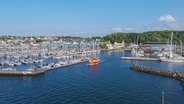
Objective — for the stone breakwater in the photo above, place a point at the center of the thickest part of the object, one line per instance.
(161, 72)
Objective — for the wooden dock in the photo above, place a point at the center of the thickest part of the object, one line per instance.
(140, 58)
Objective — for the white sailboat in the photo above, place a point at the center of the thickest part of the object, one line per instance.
(170, 56)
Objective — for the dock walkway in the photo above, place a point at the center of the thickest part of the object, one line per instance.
(69, 64)
(140, 58)
(22, 72)
(35, 71)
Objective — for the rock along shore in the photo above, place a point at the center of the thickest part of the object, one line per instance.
(161, 72)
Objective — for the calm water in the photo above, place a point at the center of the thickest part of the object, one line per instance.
(111, 82)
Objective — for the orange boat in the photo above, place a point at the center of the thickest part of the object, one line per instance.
(94, 61)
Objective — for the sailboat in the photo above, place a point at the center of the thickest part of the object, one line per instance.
(170, 56)
(136, 52)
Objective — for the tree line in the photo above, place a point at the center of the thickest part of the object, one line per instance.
(151, 36)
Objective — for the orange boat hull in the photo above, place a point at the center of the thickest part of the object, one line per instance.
(94, 61)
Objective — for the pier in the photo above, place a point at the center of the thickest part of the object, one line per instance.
(36, 71)
(160, 72)
(140, 58)
(21, 72)
(69, 64)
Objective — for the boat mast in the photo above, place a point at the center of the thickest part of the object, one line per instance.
(171, 55)
(137, 40)
(181, 47)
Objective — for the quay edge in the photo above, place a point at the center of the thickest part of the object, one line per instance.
(21, 72)
(140, 59)
(33, 72)
(70, 64)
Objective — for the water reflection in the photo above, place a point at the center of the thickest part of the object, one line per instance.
(22, 77)
(109, 52)
(94, 67)
(32, 77)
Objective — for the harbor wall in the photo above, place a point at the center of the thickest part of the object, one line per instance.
(52, 68)
(160, 72)
(34, 72)
(22, 72)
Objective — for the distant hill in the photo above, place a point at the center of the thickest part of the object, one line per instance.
(150, 36)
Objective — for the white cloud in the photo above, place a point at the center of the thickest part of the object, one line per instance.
(105, 30)
(168, 22)
(130, 29)
(117, 29)
(167, 19)
(89, 33)
(127, 29)
(174, 25)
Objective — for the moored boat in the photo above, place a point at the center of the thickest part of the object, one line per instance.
(94, 61)
(170, 56)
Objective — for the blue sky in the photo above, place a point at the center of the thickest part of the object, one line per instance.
(88, 18)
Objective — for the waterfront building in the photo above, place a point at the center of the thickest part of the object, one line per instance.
(119, 45)
(109, 45)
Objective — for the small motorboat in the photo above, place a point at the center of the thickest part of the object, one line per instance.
(94, 61)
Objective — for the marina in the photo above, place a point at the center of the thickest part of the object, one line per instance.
(91, 52)
(31, 61)
(117, 82)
